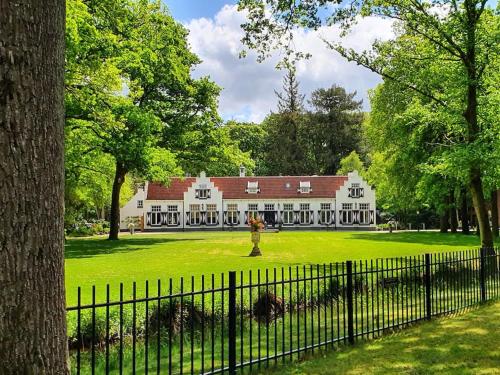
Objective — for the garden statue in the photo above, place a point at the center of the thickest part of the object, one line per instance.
(255, 226)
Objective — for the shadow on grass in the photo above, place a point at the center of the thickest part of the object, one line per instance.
(90, 247)
(457, 344)
(425, 238)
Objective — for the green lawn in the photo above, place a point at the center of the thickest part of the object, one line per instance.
(96, 261)
(466, 344)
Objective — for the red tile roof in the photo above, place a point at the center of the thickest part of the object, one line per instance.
(270, 187)
(174, 191)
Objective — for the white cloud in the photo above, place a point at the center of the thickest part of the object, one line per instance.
(248, 87)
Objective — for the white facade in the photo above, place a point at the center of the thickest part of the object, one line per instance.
(205, 205)
(133, 210)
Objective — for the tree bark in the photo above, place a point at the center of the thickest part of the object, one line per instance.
(470, 115)
(494, 214)
(444, 222)
(464, 214)
(32, 294)
(114, 220)
(453, 215)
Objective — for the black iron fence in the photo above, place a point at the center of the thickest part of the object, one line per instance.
(255, 319)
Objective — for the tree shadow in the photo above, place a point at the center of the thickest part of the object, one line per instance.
(90, 247)
(425, 238)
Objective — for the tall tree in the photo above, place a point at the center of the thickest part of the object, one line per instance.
(336, 126)
(32, 297)
(461, 35)
(350, 163)
(132, 96)
(287, 155)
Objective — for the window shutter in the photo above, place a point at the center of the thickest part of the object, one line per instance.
(148, 218)
(225, 217)
(208, 193)
(371, 217)
(349, 194)
(164, 218)
(341, 221)
(196, 193)
(333, 217)
(361, 192)
(238, 221)
(188, 219)
(311, 219)
(246, 217)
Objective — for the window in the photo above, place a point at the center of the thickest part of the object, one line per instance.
(203, 193)
(356, 190)
(364, 213)
(269, 207)
(288, 213)
(212, 214)
(347, 213)
(195, 214)
(325, 215)
(305, 187)
(305, 214)
(252, 187)
(172, 215)
(253, 210)
(140, 203)
(156, 215)
(232, 214)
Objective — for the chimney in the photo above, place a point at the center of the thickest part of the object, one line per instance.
(243, 171)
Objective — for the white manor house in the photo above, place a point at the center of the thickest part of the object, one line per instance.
(223, 203)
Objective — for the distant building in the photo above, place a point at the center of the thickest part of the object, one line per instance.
(222, 203)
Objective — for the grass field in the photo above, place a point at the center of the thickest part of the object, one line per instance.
(465, 344)
(96, 261)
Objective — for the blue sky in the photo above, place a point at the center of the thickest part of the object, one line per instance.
(185, 10)
(248, 87)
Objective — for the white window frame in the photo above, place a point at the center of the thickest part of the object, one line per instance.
(212, 214)
(140, 203)
(195, 214)
(305, 213)
(172, 214)
(156, 215)
(325, 213)
(269, 206)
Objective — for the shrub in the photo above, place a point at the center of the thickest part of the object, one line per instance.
(268, 306)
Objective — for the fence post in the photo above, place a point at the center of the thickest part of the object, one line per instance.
(428, 300)
(350, 317)
(232, 323)
(482, 273)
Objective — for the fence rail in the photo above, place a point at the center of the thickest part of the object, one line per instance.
(253, 320)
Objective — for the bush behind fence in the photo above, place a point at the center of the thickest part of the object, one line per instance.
(249, 320)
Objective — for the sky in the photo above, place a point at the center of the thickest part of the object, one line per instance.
(248, 87)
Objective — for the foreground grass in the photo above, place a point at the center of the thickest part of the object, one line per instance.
(465, 344)
(96, 261)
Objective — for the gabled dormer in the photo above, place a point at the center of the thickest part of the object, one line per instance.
(252, 187)
(304, 187)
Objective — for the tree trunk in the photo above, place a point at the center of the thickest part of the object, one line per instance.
(32, 294)
(444, 222)
(494, 213)
(470, 115)
(453, 215)
(464, 213)
(481, 212)
(114, 220)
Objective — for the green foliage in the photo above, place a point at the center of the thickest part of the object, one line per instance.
(350, 163)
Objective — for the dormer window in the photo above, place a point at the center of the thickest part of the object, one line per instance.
(203, 192)
(252, 187)
(304, 187)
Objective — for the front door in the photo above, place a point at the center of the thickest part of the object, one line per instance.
(269, 218)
